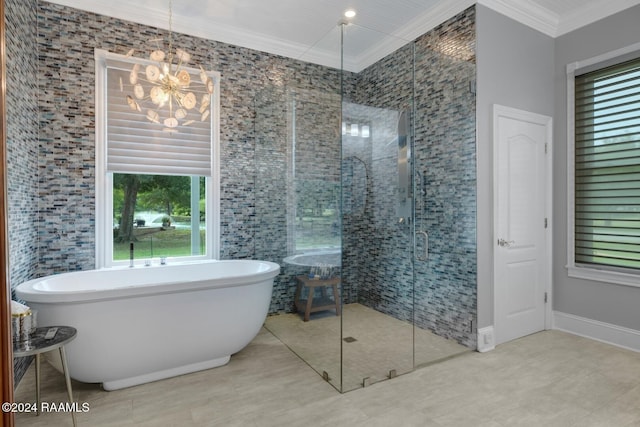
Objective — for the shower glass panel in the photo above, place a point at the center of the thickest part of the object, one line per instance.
(377, 234)
(366, 197)
(299, 218)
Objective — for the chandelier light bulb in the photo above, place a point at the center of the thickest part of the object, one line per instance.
(167, 90)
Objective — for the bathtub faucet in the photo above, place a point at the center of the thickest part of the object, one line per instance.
(131, 255)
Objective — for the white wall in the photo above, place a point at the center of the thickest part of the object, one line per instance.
(604, 302)
(515, 68)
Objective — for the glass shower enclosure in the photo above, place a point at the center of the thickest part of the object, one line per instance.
(342, 207)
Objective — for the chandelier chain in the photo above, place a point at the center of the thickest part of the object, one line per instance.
(170, 32)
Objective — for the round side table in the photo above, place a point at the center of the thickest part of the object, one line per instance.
(38, 344)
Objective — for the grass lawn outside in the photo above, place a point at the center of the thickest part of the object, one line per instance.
(164, 243)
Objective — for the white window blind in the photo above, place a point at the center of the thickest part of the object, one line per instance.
(136, 145)
(607, 167)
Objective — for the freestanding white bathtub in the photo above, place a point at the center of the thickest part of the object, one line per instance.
(142, 324)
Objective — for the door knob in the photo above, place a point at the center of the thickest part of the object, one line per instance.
(505, 243)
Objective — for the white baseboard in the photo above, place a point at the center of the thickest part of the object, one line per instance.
(596, 330)
(486, 339)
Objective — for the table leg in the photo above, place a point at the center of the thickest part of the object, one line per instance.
(298, 293)
(309, 303)
(63, 356)
(38, 383)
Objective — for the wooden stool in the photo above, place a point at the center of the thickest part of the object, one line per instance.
(311, 305)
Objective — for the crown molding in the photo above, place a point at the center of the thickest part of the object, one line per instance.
(431, 18)
(200, 27)
(373, 55)
(552, 24)
(524, 11)
(527, 13)
(128, 11)
(422, 23)
(591, 13)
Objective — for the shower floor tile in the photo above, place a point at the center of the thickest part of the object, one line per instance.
(374, 345)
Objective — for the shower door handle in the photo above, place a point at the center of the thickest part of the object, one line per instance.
(404, 202)
(425, 252)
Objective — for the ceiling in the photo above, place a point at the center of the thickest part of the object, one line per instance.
(309, 30)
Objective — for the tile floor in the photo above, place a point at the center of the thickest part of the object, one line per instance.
(546, 379)
(382, 343)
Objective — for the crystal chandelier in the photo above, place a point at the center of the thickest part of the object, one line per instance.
(167, 91)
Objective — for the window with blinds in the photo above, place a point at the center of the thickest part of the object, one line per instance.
(607, 167)
(155, 187)
(137, 145)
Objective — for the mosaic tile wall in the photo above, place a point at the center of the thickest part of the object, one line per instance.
(66, 41)
(446, 159)
(445, 165)
(273, 128)
(22, 146)
(256, 157)
(297, 150)
(377, 248)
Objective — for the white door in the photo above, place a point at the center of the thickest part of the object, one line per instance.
(522, 201)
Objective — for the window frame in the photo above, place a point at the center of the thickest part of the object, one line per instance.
(104, 180)
(580, 271)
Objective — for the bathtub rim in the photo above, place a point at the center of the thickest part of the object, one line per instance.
(293, 260)
(27, 291)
